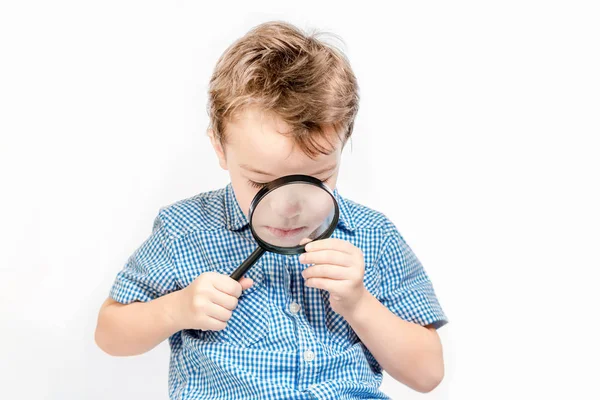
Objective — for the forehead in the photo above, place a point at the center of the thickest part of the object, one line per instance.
(258, 137)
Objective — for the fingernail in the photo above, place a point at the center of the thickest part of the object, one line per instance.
(302, 257)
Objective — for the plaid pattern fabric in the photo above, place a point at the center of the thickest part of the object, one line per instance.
(283, 341)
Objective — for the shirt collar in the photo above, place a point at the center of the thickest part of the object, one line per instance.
(236, 219)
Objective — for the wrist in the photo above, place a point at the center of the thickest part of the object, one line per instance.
(359, 306)
(171, 311)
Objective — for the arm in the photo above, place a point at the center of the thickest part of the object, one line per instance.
(132, 329)
(146, 306)
(410, 352)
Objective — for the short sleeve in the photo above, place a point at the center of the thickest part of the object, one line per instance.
(405, 287)
(149, 272)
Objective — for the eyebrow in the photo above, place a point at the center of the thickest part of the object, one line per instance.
(258, 171)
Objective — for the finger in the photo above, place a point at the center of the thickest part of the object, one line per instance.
(224, 300)
(227, 285)
(246, 283)
(304, 241)
(329, 285)
(219, 313)
(213, 324)
(326, 271)
(331, 243)
(334, 257)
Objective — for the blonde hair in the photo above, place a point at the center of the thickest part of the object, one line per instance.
(302, 80)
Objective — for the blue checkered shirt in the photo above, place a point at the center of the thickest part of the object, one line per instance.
(283, 340)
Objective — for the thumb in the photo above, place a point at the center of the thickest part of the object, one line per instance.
(246, 283)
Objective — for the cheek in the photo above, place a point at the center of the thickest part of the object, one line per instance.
(245, 204)
(321, 210)
(331, 182)
(246, 199)
(243, 193)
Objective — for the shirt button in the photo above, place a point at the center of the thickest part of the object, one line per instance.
(294, 308)
(309, 355)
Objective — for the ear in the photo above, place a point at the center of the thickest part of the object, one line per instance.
(218, 147)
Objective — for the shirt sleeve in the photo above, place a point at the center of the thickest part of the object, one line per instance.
(405, 286)
(149, 272)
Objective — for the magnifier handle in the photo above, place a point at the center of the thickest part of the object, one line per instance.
(245, 266)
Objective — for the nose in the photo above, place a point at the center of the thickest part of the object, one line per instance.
(287, 206)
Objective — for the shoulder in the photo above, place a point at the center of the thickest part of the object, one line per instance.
(364, 218)
(371, 230)
(203, 211)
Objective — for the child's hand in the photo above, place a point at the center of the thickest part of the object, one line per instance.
(339, 268)
(208, 302)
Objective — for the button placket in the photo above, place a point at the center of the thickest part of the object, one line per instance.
(292, 306)
(307, 356)
(287, 275)
(307, 353)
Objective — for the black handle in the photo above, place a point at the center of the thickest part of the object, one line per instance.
(245, 266)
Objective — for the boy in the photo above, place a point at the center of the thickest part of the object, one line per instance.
(320, 325)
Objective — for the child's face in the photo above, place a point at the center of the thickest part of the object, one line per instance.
(286, 216)
(255, 152)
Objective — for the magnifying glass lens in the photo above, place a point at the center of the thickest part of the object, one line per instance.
(292, 215)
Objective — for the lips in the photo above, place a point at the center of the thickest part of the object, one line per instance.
(283, 233)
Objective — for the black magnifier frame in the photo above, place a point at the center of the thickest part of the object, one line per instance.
(264, 246)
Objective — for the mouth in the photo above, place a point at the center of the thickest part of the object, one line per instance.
(287, 232)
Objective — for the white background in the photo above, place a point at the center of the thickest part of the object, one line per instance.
(477, 135)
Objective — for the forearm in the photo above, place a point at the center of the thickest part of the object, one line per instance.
(410, 353)
(132, 329)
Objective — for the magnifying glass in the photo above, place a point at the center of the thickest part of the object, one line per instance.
(288, 213)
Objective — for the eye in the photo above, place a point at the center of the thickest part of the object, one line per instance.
(259, 185)
(256, 185)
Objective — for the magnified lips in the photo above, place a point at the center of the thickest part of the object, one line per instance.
(287, 232)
